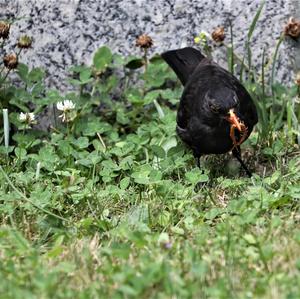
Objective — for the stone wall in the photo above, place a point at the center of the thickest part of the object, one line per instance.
(67, 32)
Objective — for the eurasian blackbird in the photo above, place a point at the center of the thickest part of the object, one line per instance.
(216, 113)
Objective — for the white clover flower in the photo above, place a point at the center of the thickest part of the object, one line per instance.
(60, 106)
(22, 116)
(27, 117)
(66, 105)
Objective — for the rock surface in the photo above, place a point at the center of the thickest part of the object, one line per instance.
(67, 32)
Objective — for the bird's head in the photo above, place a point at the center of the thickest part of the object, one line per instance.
(223, 104)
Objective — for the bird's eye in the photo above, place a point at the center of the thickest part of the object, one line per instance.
(214, 108)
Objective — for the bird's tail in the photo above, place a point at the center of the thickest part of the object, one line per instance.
(183, 62)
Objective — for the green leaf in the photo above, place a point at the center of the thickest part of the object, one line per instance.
(81, 142)
(250, 239)
(158, 151)
(171, 95)
(94, 157)
(65, 147)
(271, 180)
(4, 150)
(102, 58)
(77, 68)
(23, 71)
(127, 290)
(134, 96)
(177, 230)
(41, 197)
(27, 141)
(122, 117)
(155, 176)
(164, 218)
(196, 176)
(36, 75)
(20, 153)
(157, 74)
(177, 150)
(213, 213)
(98, 145)
(134, 62)
(151, 96)
(47, 157)
(93, 127)
(145, 174)
(85, 75)
(124, 183)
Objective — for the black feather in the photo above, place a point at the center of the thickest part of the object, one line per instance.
(183, 62)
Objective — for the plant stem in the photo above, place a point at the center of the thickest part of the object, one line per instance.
(235, 55)
(54, 115)
(18, 54)
(101, 140)
(5, 77)
(2, 69)
(145, 58)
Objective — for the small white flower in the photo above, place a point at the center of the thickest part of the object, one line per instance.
(66, 105)
(60, 106)
(22, 116)
(27, 117)
(63, 117)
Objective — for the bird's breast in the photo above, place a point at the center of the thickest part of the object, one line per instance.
(207, 139)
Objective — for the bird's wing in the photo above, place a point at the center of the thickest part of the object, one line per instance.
(192, 96)
(183, 62)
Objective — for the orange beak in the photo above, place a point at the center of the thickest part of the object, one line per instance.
(234, 120)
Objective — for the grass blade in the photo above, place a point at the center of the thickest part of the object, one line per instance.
(249, 35)
(230, 51)
(254, 22)
(274, 61)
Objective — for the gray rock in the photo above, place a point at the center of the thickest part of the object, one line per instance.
(67, 32)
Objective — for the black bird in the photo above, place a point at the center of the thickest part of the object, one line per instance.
(216, 113)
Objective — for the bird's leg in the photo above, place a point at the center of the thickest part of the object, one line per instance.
(237, 153)
(199, 185)
(197, 157)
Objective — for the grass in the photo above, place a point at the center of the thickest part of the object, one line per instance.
(110, 204)
(140, 226)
